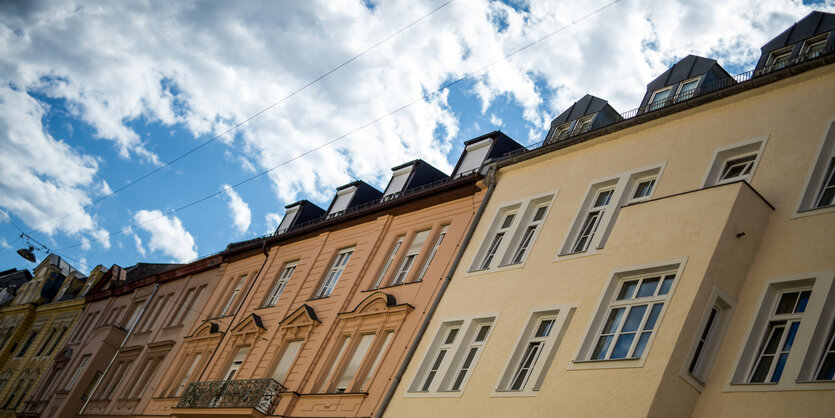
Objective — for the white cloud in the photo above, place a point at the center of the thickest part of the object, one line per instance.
(105, 188)
(168, 236)
(43, 179)
(272, 220)
(204, 67)
(239, 210)
(139, 248)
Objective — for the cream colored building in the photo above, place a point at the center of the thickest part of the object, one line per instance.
(677, 260)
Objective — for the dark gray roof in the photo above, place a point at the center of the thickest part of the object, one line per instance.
(587, 105)
(14, 277)
(142, 270)
(813, 24)
(422, 173)
(687, 68)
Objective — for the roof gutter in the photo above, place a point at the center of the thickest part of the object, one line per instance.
(490, 180)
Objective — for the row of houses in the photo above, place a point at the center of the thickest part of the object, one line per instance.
(673, 260)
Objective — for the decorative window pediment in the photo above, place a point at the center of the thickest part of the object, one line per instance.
(303, 316)
(376, 303)
(249, 325)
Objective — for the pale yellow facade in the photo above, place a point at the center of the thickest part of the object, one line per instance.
(737, 242)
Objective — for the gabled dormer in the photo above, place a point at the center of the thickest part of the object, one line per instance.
(352, 195)
(298, 213)
(686, 79)
(588, 113)
(479, 150)
(811, 37)
(409, 176)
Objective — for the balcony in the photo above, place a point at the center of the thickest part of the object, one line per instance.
(261, 395)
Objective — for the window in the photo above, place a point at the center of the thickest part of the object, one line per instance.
(472, 354)
(600, 208)
(28, 343)
(561, 131)
(779, 59)
(112, 380)
(659, 98)
(474, 156)
(398, 181)
(193, 363)
(46, 341)
(629, 313)
(143, 375)
(287, 358)
(90, 387)
(453, 355)
(535, 349)
(77, 373)
(336, 360)
(230, 301)
(687, 89)
(185, 306)
(507, 221)
(354, 363)
(826, 366)
(632, 317)
(409, 259)
(152, 313)
(820, 183)
(380, 352)
(783, 323)
(708, 337)
(450, 332)
(530, 231)
(735, 162)
(592, 220)
(236, 363)
(280, 284)
(56, 341)
(390, 260)
(789, 341)
(432, 253)
(814, 47)
(583, 124)
(334, 273)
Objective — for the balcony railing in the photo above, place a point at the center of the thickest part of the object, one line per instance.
(260, 394)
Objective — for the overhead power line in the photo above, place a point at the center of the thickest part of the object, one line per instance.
(361, 127)
(239, 124)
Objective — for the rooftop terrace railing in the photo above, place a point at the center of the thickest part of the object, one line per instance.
(702, 90)
(259, 394)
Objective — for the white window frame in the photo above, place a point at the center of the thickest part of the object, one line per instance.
(389, 261)
(233, 295)
(595, 328)
(817, 178)
(623, 186)
(546, 351)
(291, 348)
(445, 372)
(439, 239)
(812, 42)
(340, 261)
(529, 233)
(708, 339)
(411, 257)
(807, 349)
(581, 123)
(651, 105)
(730, 153)
(79, 369)
(523, 211)
(280, 283)
(681, 85)
(776, 55)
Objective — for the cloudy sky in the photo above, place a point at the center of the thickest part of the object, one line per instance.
(100, 97)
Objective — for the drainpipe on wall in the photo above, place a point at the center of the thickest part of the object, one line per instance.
(490, 179)
(116, 354)
(238, 310)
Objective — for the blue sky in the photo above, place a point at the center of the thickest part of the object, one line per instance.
(97, 94)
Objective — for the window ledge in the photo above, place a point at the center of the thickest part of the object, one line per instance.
(503, 393)
(616, 363)
(572, 256)
(802, 213)
(319, 298)
(170, 327)
(433, 394)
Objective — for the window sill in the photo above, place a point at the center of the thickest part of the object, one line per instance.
(171, 327)
(433, 394)
(319, 298)
(507, 393)
(802, 213)
(572, 256)
(616, 363)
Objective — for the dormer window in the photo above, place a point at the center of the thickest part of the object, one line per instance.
(659, 97)
(343, 198)
(475, 155)
(289, 215)
(398, 181)
(583, 124)
(814, 47)
(779, 59)
(687, 89)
